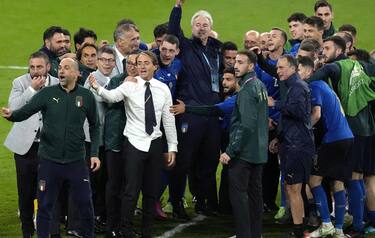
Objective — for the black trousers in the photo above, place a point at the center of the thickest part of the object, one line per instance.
(114, 187)
(271, 176)
(142, 172)
(245, 187)
(51, 177)
(199, 150)
(98, 181)
(27, 175)
(224, 201)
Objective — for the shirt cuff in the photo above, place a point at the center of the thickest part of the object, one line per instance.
(99, 90)
(33, 91)
(172, 147)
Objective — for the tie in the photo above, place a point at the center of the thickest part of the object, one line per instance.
(150, 119)
(124, 65)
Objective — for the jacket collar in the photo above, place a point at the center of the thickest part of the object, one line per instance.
(292, 79)
(246, 77)
(49, 53)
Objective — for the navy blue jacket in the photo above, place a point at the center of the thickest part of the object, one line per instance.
(194, 82)
(295, 108)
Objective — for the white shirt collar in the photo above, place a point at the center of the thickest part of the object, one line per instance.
(120, 56)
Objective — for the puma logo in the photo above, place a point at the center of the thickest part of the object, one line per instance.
(56, 99)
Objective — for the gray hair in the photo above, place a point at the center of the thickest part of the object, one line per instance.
(122, 28)
(202, 13)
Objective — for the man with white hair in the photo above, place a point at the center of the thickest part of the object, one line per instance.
(251, 39)
(198, 136)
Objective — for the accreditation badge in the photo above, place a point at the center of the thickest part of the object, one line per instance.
(79, 101)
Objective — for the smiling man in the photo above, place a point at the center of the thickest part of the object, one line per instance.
(323, 10)
(198, 84)
(147, 103)
(64, 108)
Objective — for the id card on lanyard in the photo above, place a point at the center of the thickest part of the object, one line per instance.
(214, 71)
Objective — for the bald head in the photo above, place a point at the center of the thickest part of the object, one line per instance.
(251, 39)
(68, 73)
(74, 63)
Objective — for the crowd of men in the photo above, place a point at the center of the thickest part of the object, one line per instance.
(96, 126)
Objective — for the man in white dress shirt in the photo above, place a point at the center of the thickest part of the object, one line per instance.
(147, 102)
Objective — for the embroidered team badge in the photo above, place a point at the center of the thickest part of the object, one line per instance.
(79, 101)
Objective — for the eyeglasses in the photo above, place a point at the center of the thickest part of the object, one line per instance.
(107, 61)
(131, 63)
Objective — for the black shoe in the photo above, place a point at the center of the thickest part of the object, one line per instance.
(99, 225)
(351, 233)
(267, 208)
(200, 207)
(114, 234)
(179, 212)
(56, 236)
(286, 219)
(73, 233)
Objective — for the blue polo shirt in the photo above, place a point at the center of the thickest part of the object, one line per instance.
(335, 124)
(168, 74)
(273, 90)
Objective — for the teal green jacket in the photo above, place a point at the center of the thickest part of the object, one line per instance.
(62, 139)
(115, 119)
(248, 138)
(85, 72)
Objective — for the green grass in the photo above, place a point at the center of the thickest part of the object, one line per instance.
(23, 23)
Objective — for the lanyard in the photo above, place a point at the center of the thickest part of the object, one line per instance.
(208, 62)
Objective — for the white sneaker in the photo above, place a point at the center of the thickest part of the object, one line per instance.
(339, 233)
(323, 231)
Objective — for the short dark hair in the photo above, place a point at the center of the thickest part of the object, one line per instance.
(108, 50)
(361, 55)
(40, 54)
(125, 21)
(229, 70)
(161, 30)
(350, 28)
(347, 37)
(50, 31)
(122, 28)
(306, 61)
(310, 45)
(153, 57)
(79, 52)
(315, 22)
(283, 33)
(338, 41)
(228, 45)
(291, 60)
(81, 34)
(66, 32)
(173, 40)
(322, 3)
(251, 56)
(297, 16)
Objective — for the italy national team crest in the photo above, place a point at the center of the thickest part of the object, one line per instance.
(79, 101)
